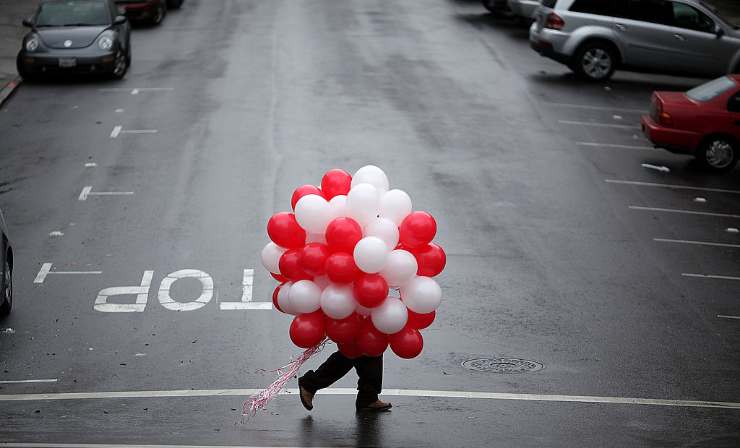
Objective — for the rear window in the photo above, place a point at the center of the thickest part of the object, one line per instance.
(711, 90)
(73, 13)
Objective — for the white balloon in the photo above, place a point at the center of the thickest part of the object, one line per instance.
(316, 238)
(362, 203)
(337, 301)
(305, 297)
(361, 310)
(400, 267)
(385, 229)
(271, 257)
(322, 281)
(338, 206)
(390, 317)
(283, 299)
(395, 205)
(421, 295)
(370, 254)
(371, 174)
(313, 213)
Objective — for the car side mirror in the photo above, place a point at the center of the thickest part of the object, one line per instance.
(719, 31)
(27, 23)
(119, 20)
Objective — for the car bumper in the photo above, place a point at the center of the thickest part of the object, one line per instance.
(61, 62)
(674, 140)
(549, 43)
(524, 8)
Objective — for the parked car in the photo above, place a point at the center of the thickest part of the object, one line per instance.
(152, 12)
(595, 37)
(6, 258)
(524, 9)
(75, 36)
(704, 121)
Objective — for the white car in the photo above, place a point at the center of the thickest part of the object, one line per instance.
(524, 8)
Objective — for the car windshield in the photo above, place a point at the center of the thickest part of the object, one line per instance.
(711, 90)
(73, 13)
(729, 13)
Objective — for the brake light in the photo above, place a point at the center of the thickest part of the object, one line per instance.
(665, 119)
(554, 22)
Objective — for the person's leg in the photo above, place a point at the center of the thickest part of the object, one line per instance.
(335, 367)
(370, 383)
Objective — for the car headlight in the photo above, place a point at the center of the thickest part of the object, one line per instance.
(32, 43)
(105, 42)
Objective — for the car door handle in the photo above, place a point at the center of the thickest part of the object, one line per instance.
(679, 37)
(620, 27)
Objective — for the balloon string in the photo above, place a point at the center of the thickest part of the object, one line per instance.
(260, 400)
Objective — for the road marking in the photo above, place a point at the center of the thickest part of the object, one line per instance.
(246, 301)
(139, 131)
(610, 145)
(119, 110)
(671, 186)
(49, 380)
(604, 125)
(686, 212)
(116, 130)
(206, 293)
(136, 90)
(108, 445)
(583, 106)
(724, 316)
(56, 233)
(662, 169)
(732, 230)
(46, 270)
(90, 165)
(699, 243)
(141, 292)
(711, 276)
(386, 392)
(87, 191)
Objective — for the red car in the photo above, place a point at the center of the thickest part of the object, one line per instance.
(705, 122)
(150, 11)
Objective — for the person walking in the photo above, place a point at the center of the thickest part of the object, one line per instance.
(369, 370)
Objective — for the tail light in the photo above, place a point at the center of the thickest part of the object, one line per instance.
(554, 22)
(660, 115)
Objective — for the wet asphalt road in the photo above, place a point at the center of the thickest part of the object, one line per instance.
(250, 99)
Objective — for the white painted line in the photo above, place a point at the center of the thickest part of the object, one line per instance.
(610, 145)
(108, 445)
(135, 92)
(732, 230)
(119, 110)
(711, 276)
(698, 243)
(671, 186)
(139, 131)
(137, 89)
(56, 233)
(386, 392)
(84, 193)
(90, 165)
(687, 212)
(700, 200)
(603, 125)
(724, 316)
(661, 168)
(246, 301)
(50, 380)
(116, 130)
(617, 117)
(87, 192)
(607, 108)
(43, 272)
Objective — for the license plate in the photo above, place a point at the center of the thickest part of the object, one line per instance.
(67, 62)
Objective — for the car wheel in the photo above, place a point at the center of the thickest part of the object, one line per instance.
(7, 289)
(22, 71)
(595, 61)
(159, 14)
(719, 153)
(120, 65)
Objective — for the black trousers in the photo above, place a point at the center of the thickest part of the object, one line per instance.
(369, 369)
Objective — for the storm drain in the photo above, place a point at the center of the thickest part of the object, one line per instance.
(503, 365)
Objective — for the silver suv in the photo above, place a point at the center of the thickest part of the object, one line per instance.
(594, 37)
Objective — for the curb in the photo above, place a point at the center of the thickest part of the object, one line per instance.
(8, 90)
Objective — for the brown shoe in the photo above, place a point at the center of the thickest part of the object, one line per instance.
(306, 397)
(377, 406)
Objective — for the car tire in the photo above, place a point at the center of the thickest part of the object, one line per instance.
(595, 61)
(719, 153)
(25, 74)
(159, 14)
(174, 4)
(6, 289)
(120, 65)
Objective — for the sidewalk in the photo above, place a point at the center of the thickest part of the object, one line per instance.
(11, 32)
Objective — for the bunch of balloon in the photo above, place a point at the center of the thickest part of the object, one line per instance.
(339, 255)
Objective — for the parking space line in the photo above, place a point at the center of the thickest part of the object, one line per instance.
(604, 125)
(724, 316)
(109, 445)
(46, 270)
(671, 186)
(139, 131)
(87, 192)
(711, 276)
(686, 212)
(137, 90)
(584, 106)
(386, 392)
(116, 130)
(698, 243)
(48, 380)
(610, 145)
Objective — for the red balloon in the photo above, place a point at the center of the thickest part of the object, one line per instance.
(342, 234)
(350, 350)
(407, 343)
(275, 296)
(280, 278)
(370, 290)
(417, 229)
(284, 231)
(420, 321)
(341, 268)
(307, 330)
(370, 341)
(305, 190)
(335, 182)
(313, 258)
(431, 259)
(290, 266)
(345, 330)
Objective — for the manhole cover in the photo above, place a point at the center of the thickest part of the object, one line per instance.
(502, 365)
